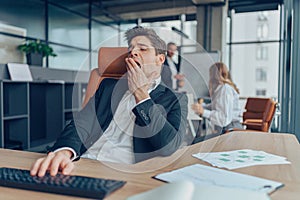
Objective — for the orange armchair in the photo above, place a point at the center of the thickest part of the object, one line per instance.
(111, 64)
(259, 114)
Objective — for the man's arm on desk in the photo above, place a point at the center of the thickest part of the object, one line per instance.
(68, 145)
(53, 162)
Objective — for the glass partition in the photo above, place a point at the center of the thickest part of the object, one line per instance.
(255, 52)
(252, 74)
(69, 58)
(13, 12)
(72, 30)
(103, 35)
(255, 26)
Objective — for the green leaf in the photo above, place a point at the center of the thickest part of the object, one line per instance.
(36, 47)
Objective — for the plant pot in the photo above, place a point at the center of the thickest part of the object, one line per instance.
(34, 59)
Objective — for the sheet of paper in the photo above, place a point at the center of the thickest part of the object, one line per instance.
(202, 175)
(241, 158)
(19, 72)
(185, 190)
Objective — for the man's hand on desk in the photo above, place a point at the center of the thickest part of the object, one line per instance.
(53, 162)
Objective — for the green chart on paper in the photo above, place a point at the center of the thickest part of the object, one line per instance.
(240, 158)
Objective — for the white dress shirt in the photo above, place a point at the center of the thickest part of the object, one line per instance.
(115, 145)
(224, 107)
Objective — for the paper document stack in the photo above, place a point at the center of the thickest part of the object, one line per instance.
(241, 158)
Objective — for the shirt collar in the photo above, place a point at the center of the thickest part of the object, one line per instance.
(155, 83)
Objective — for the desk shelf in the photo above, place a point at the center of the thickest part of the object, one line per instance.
(16, 133)
(34, 113)
(46, 118)
(74, 94)
(13, 117)
(15, 98)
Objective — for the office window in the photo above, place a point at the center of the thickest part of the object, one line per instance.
(245, 25)
(29, 15)
(261, 74)
(190, 29)
(190, 44)
(164, 24)
(125, 27)
(261, 52)
(104, 35)
(69, 58)
(262, 31)
(74, 5)
(72, 30)
(244, 65)
(261, 92)
(164, 29)
(262, 16)
(248, 54)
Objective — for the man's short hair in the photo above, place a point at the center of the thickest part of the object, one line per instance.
(171, 43)
(156, 41)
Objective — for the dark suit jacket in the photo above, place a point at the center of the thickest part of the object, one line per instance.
(159, 127)
(166, 74)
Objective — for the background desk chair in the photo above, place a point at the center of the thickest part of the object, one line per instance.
(259, 114)
(111, 64)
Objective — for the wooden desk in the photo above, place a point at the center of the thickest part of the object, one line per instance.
(139, 179)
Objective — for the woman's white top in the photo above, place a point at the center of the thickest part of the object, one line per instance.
(224, 107)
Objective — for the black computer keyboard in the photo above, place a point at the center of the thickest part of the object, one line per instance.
(96, 188)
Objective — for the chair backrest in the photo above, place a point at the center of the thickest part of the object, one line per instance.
(259, 113)
(111, 61)
(111, 64)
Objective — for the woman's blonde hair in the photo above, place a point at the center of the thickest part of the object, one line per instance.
(219, 74)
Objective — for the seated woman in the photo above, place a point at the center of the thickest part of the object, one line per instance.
(223, 112)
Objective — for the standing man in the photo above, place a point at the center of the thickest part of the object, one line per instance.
(127, 120)
(170, 71)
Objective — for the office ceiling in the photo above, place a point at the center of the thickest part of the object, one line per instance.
(253, 5)
(129, 10)
(134, 9)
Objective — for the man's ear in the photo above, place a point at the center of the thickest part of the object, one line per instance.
(160, 59)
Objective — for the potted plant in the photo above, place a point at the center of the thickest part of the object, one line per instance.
(35, 51)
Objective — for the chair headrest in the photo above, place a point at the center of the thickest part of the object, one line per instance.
(111, 61)
(259, 105)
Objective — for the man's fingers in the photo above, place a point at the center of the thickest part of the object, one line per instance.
(52, 162)
(130, 64)
(60, 162)
(56, 164)
(133, 66)
(67, 169)
(36, 166)
(45, 164)
(129, 71)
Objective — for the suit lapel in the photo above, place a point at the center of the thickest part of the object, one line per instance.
(159, 90)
